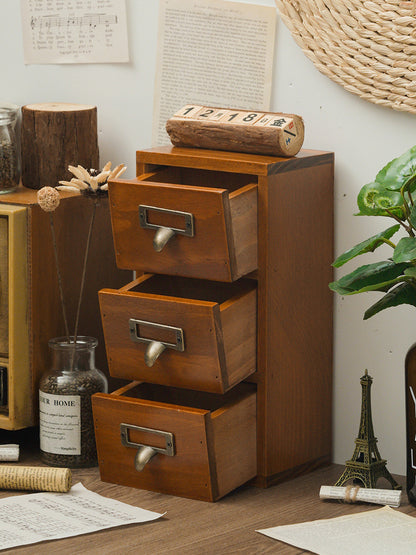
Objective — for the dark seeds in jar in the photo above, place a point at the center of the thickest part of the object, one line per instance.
(9, 175)
(83, 384)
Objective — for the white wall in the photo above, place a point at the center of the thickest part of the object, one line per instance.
(363, 136)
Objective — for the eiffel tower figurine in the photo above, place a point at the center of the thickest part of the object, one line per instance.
(366, 465)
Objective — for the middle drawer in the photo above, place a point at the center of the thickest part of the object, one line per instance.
(181, 332)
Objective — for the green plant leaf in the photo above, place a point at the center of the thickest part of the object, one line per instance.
(390, 195)
(369, 245)
(395, 174)
(405, 250)
(411, 272)
(371, 277)
(404, 293)
(412, 217)
(373, 200)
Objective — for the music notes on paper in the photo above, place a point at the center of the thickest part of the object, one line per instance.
(74, 31)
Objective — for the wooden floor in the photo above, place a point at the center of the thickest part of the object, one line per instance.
(196, 527)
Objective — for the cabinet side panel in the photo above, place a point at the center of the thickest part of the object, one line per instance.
(20, 411)
(17, 412)
(234, 442)
(243, 206)
(71, 223)
(4, 287)
(295, 320)
(239, 331)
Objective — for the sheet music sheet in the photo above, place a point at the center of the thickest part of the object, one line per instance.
(74, 31)
(212, 53)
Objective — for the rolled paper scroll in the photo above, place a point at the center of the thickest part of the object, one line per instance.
(9, 452)
(351, 494)
(35, 478)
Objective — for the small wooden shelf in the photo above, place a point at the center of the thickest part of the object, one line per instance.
(33, 311)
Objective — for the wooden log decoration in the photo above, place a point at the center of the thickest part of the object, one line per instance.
(270, 133)
(54, 136)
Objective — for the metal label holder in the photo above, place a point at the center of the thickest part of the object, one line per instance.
(155, 347)
(146, 452)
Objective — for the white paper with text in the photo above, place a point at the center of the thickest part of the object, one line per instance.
(37, 517)
(389, 497)
(383, 531)
(213, 53)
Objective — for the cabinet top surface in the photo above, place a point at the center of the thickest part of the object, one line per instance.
(237, 162)
(25, 196)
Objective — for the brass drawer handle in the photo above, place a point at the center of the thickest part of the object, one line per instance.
(155, 348)
(163, 233)
(146, 452)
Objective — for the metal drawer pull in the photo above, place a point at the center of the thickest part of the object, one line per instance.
(146, 452)
(162, 236)
(155, 348)
(143, 456)
(163, 233)
(153, 352)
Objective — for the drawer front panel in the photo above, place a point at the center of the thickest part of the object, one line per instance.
(179, 442)
(204, 254)
(198, 366)
(186, 473)
(182, 342)
(183, 230)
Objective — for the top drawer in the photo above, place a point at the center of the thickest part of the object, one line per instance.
(186, 222)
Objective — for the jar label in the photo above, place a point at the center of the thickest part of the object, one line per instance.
(60, 423)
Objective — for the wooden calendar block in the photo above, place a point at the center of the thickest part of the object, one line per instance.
(254, 132)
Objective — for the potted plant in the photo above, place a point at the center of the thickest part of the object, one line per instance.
(393, 195)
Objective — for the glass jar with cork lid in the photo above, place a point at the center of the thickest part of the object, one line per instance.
(9, 149)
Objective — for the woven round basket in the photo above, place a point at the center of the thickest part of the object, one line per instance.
(368, 47)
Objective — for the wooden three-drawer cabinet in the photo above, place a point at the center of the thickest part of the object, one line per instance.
(225, 335)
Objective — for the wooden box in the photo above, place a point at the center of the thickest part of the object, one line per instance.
(192, 444)
(207, 331)
(212, 217)
(250, 212)
(14, 326)
(30, 309)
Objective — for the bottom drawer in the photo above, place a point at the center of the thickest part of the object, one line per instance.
(192, 444)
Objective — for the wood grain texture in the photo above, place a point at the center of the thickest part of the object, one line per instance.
(212, 360)
(295, 319)
(185, 474)
(243, 216)
(101, 270)
(188, 132)
(209, 253)
(239, 328)
(234, 162)
(204, 254)
(54, 136)
(44, 315)
(294, 308)
(4, 286)
(190, 526)
(211, 443)
(233, 444)
(18, 411)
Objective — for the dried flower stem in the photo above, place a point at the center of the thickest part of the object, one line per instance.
(84, 269)
(90, 184)
(58, 272)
